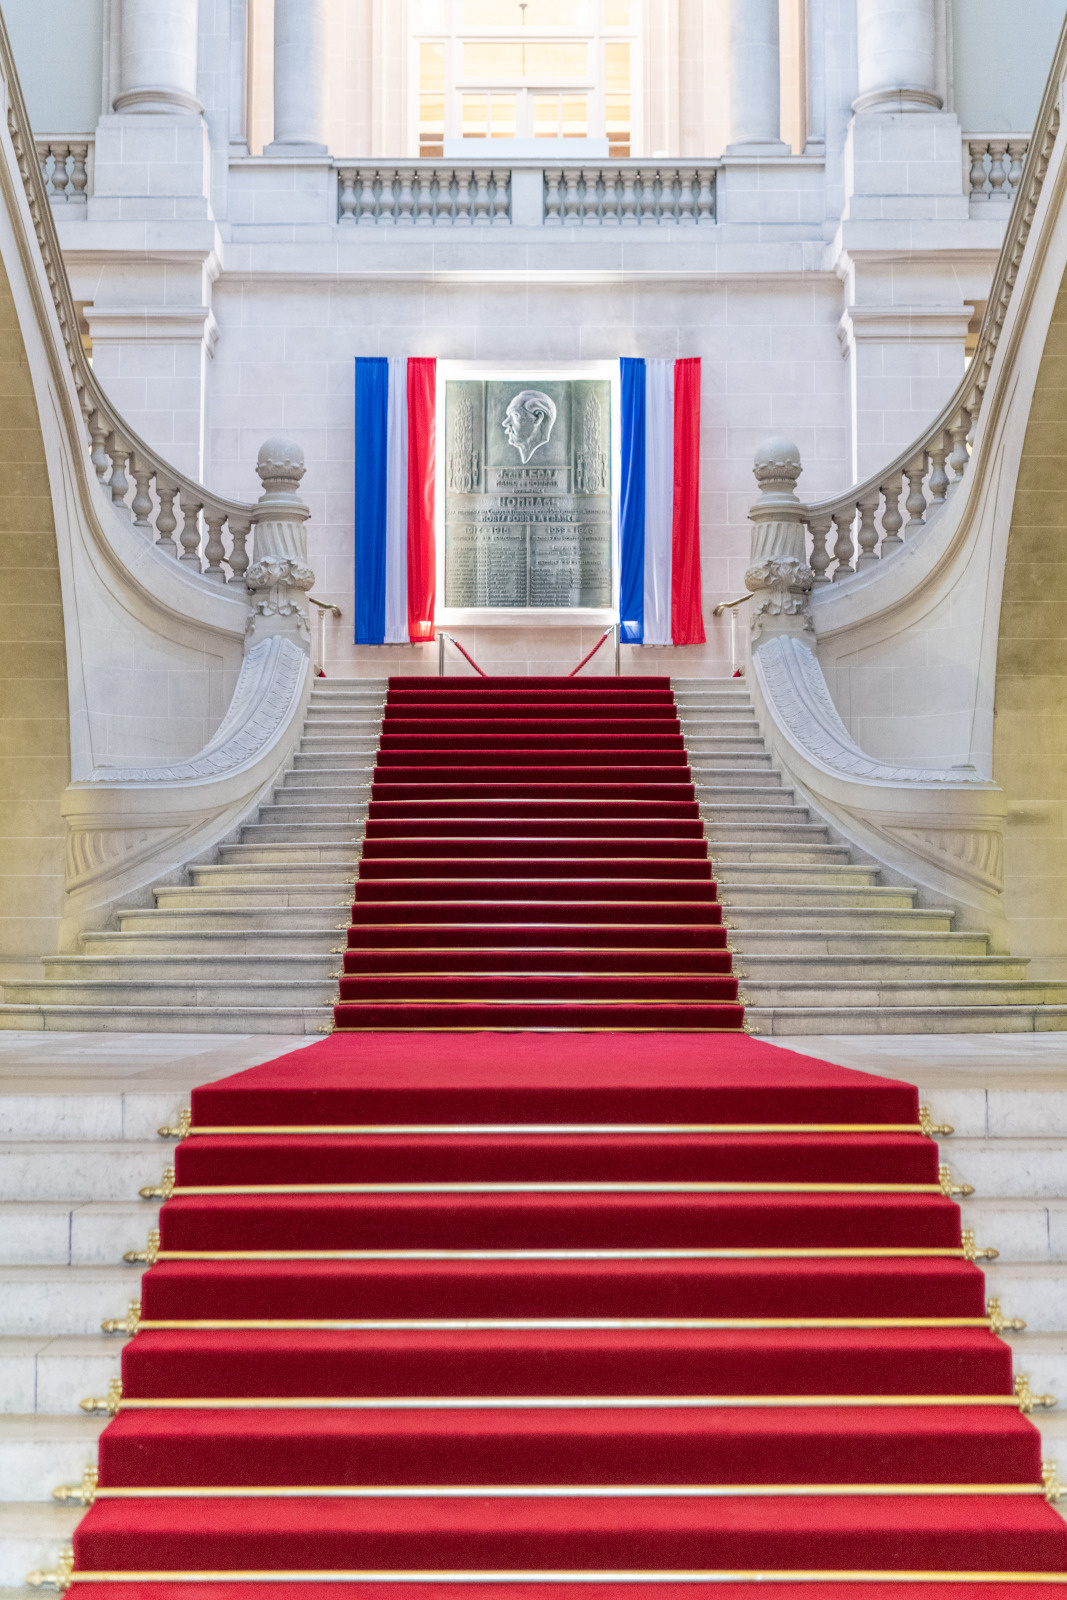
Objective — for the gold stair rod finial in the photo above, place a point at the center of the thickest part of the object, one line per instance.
(159, 1191)
(971, 1251)
(1028, 1401)
(127, 1324)
(933, 1129)
(944, 1177)
(84, 1493)
(999, 1323)
(150, 1254)
(1054, 1489)
(61, 1579)
(104, 1405)
(181, 1127)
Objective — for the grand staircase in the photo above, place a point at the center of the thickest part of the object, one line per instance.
(520, 868)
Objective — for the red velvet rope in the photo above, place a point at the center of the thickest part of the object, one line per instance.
(467, 656)
(592, 652)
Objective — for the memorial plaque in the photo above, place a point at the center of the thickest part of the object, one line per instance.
(528, 493)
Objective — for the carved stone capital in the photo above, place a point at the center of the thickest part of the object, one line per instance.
(783, 597)
(279, 577)
(778, 574)
(278, 587)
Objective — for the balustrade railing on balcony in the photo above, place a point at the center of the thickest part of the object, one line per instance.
(629, 194)
(67, 167)
(994, 165)
(423, 194)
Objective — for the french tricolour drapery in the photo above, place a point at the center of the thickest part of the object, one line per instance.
(659, 519)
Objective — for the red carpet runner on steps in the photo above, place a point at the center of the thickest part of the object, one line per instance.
(534, 858)
(573, 1304)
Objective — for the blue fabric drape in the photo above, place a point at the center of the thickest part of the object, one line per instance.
(632, 503)
(372, 413)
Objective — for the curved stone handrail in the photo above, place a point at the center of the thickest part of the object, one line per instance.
(112, 443)
(867, 521)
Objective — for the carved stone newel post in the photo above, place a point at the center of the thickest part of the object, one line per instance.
(279, 578)
(778, 573)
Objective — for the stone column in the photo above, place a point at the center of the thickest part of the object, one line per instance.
(754, 89)
(299, 78)
(158, 55)
(279, 578)
(778, 573)
(895, 40)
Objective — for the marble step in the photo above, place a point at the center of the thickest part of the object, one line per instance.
(759, 971)
(1033, 1290)
(43, 1300)
(61, 1233)
(210, 967)
(754, 759)
(901, 939)
(1021, 1228)
(216, 943)
(1012, 1166)
(241, 919)
(787, 895)
(344, 855)
(152, 990)
(918, 1019)
(146, 1019)
(794, 828)
(741, 875)
(762, 812)
(820, 916)
(331, 782)
(281, 831)
(266, 891)
(307, 814)
(31, 1536)
(51, 1374)
(1043, 1358)
(705, 773)
(945, 991)
(741, 852)
(241, 875)
(364, 755)
(39, 1452)
(80, 1170)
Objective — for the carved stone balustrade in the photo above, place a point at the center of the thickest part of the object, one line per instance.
(629, 194)
(778, 573)
(66, 165)
(423, 194)
(994, 166)
(279, 578)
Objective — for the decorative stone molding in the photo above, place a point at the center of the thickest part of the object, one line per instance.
(279, 578)
(939, 827)
(778, 572)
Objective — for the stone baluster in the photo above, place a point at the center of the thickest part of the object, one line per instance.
(299, 77)
(387, 197)
(590, 207)
(60, 152)
(214, 549)
(240, 527)
(368, 204)
(686, 200)
(346, 178)
(843, 547)
(752, 53)
(628, 217)
(118, 450)
(572, 197)
(977, 175)
(98, 432)
(938, 480)
(190, 534)
(480, 205)
(158, 44)
(778, 573)
(892, 521)
(896, 56)
(998, 177)
(958, 432)
(405, 203)
(553, 179)
(501, 211)
(649, 198)
(422, 189)
(461, 216)
(79, 173)
(819, 528)
(612, 202)
(142, 499)
(279, 577)
(706, 197)
(1016, 156)
(915, 504)
(166, 521)
(867, 537)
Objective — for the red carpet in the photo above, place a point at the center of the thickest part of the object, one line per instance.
(561, 1313)
(549, 825)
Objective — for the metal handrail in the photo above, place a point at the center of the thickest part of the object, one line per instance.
(737, 666)
(324, 606)
(441, 637)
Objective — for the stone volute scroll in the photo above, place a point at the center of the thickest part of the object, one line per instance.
(279, 578)
(778, 572)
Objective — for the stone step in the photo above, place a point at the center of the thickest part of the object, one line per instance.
(39, 1301)
(283, 832)
(207, 968)
(1043, 1358)
(748, 775)
(786, 1020)
(146, 1019)
(305, 814)
(150, 990)
(742, 875)
(266, 892)
(824, 916)
(38, 1452)
(765, 939)
(787, 895)
(727, 852)
(762, 970)
(1033, 1290)
(792, 830)
(59, 1233)
(240, 875)
(344, 855)
(332, 782)
(80, 1170)
(1012, 1167)
(250, 919)
(31, 1536)
(1025, 1229)
(754, 759)
(365, 754)
(762, 812)
(946, 991)
(50, 1375)
(215, 943)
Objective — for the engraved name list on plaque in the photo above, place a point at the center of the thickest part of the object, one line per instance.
(528, 493)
